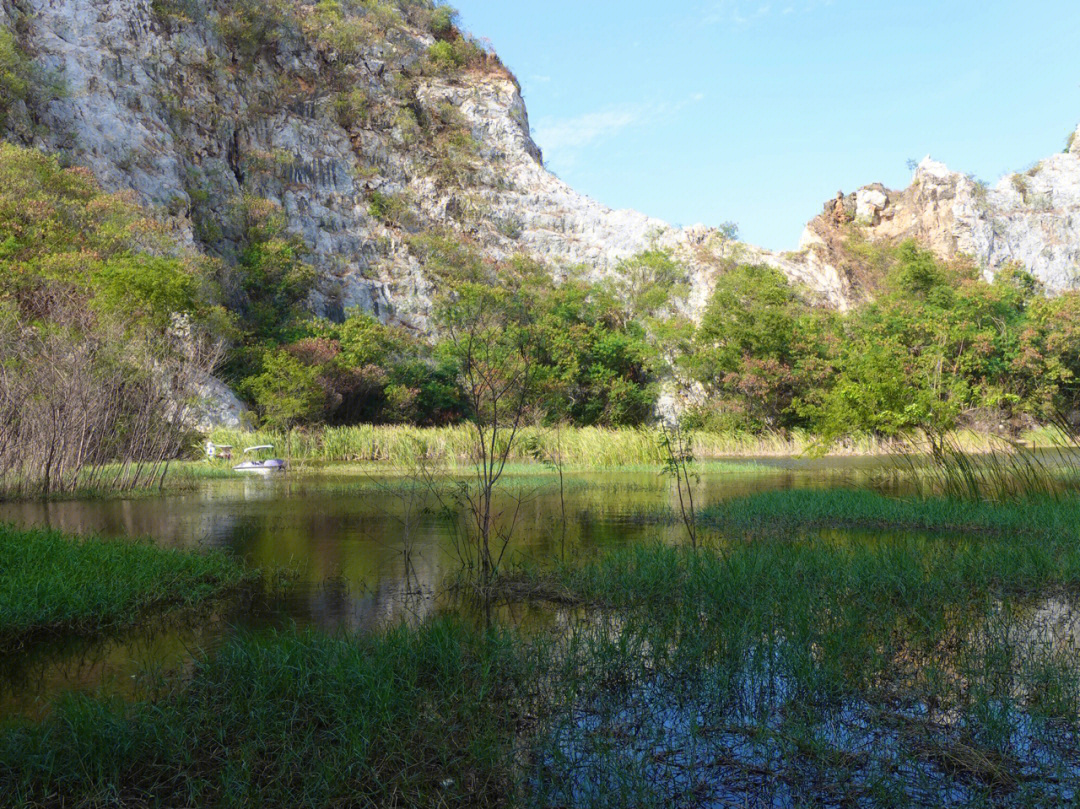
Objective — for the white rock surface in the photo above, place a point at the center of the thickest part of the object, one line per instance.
(165, 110)
(218, 407)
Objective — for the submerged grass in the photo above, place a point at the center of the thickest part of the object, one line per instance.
(805, 509)
(51, 582)
(828, 670)
(805, 667)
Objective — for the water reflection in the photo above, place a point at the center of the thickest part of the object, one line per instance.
(344, 536)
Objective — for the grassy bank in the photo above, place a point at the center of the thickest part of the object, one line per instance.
(801, 668)
(582, 447)
(795, 510)
(52, 582)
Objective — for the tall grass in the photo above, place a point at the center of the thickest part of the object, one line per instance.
(809, 509)
(582, 447)
(830, 670)
(942, 465)
(451, 446)
(407, 718)
(51, 582)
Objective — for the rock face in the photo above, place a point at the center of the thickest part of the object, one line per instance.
(1032, 219)
(160, 100)
(163, 105)
(218, 407)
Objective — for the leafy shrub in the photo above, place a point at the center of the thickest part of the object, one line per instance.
(286, 392)
(179, 12)
(392, 209)
(252, 28)
(447, 57)
(938, 346)
(510, 226)
(443, 21)
(352, 108)
(103, 330)
(269, 281)
(15, 72)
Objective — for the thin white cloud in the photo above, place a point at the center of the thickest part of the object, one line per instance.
(562, 138)
(742, 13)
(555, 135)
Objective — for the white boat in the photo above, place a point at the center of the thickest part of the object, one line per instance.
(260, 466)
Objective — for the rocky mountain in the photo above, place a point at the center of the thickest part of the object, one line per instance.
(1031, 219)
(347, 116)
(383, 133)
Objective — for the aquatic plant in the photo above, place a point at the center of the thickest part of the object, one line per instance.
(51, 582)
(805, 667)
(579, 447)
(407, 718)
(803, 510)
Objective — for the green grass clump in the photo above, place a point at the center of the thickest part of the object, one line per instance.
(804, 509)
(579, 447)
(52, 582)
(413, 717)
(813, 665)
(839, 669)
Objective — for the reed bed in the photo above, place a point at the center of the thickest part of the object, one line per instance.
(811, 509)
(54, 583)
(582, 447)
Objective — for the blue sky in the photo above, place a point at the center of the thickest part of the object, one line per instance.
(757, 111)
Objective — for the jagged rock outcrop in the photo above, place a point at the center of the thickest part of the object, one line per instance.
(1032, 219)
(161, 99)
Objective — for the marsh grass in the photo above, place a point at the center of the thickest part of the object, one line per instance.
(54, 583)
(941, 465)
(412, 717)
(577, 447)
(809, 666)
(828, 670)
(794, 510)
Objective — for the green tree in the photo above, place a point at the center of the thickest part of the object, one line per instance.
(287, 392)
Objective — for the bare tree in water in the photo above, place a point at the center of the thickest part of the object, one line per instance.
(488, 334)
(678, 458)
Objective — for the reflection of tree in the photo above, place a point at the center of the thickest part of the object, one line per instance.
(408, 596)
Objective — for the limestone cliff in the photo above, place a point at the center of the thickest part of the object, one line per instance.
(161, 99)
(1032, 219)
(338, 113)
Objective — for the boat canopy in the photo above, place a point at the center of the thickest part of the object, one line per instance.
(261, 446)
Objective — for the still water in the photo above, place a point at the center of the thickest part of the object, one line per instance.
(343, 538)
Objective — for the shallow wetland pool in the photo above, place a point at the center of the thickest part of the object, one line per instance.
(826, 667)
(341, 537)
